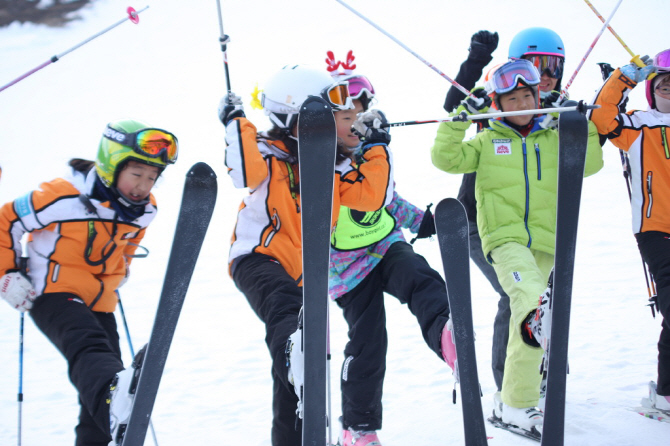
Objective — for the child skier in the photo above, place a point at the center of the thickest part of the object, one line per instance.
(642, 135)
(84, 231)
(544, 48)
(266, 251)
(369, 256)
(516, 163)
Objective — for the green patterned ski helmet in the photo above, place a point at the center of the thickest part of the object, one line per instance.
(112, 155)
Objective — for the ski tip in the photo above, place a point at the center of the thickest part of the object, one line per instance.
(201, 170)
(314, 103)
(449, 204)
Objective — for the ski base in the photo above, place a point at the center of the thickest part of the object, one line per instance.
(498, 422)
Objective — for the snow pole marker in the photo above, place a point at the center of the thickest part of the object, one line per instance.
(581, 63)
(466, 117)
(133, 16)
(462, 89)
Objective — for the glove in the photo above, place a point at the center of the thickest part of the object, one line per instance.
(16, 289)
(553, 100)
(427, 226)
(230, 108)
(639, 74)
(479, 105)
(605, 69)
(369, 125)
(483, 44)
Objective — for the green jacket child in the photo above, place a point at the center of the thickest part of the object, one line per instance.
(516, 161)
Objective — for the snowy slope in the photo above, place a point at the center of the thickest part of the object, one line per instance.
(168, 70)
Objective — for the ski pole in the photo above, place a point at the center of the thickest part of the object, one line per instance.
(19, 396)
(635, 57)
(463, 116)
(579, 67)
(132, 354)
(462, 89)
(651, 289)
(133, 16)
(224, 40)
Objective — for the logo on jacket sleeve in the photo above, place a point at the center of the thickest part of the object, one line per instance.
(502, 146)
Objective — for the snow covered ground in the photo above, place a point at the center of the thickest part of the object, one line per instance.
(168, 70)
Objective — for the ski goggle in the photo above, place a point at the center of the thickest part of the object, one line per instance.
(545, 63)
(338, 96)
(152, 143)
(506, 78)
(359, 85)
(662, 61)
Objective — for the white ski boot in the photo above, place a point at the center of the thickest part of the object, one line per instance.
(295, 361)
(656, 401)
(121, 398)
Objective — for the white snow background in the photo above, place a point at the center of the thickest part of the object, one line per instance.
(168, 71)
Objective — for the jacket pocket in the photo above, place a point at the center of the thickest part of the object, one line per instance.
(650, 198)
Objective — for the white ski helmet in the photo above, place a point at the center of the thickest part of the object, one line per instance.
(285, 92)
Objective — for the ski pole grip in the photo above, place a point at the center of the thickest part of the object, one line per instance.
(637, 61)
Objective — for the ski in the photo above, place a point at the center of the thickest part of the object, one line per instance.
(452, 232)
(572, 144)
(647, 411)
(317, 141)
(499, 423)
(195, 213)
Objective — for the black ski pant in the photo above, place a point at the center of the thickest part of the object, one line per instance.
(655, 249)
(276, 298)
(89, 341)
(407, 276)
(501, 321)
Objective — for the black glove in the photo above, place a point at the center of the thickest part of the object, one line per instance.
(480, 105)
(427, 226)
(230, 108)
(483, 44)
(552, 100)
(371, 125)
(605, 69)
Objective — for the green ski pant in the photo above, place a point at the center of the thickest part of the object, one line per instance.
(523, 274)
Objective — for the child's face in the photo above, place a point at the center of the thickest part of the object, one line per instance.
(662, 87)
(136, 180)
(343, 121)
(547, 83)
(519, 99)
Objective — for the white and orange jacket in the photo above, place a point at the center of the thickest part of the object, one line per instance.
(645, 136)
(71, 249)
(268, 220)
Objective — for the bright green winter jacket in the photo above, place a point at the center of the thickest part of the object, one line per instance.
(516, 178)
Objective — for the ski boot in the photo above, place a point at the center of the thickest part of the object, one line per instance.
(295, 361)
(351, 437)
(121, 397)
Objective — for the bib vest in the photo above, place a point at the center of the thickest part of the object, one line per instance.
(356, 229)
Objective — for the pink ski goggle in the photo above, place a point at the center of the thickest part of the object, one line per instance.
(662, 60)
(359, 85)
(506, 78)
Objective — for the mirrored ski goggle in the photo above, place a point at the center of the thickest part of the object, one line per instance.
(506, 78)
(662, 60)
(545, 63)
(153, 143)
(338, 96)
(360, 85)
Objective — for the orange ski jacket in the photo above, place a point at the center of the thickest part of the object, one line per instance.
(71, 248)
(268, 220)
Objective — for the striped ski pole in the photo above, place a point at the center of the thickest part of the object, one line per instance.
(581, 63)
(133, 16)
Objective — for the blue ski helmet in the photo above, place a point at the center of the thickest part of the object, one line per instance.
(536, 40)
